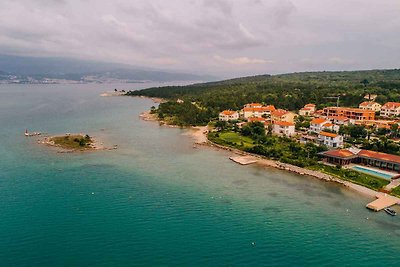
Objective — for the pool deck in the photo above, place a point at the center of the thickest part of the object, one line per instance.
(383, 201)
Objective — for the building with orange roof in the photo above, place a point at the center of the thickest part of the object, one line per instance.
(228, 115)
(370, 105)
(351, 113)
(307, 110)
(331, 140)
(390, 109)
(257, 110)
(369, 158)
(316, 125)
(284, 128)
(330, 126)
(254, 119)
(282, 115)
(339, 120)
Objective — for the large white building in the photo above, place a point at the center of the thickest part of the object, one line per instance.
(256, 110)
(316, 125)
(369, 105)
(331, 140)
(390, 109)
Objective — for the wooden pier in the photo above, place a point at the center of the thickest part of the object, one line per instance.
(383, 201)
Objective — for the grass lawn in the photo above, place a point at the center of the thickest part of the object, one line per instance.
(72, 141)
(366, 180)
(231, 139)
(396, 191)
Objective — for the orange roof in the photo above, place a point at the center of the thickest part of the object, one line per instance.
(339, 153)
(379, 156)
(339, 118)
(391, 105)
(260, 109)
(328, 134)
(228, 112)
(305, 109)
(280, 113)
(284, 123)
(309, 106)
(328, 124)
(253, 105)
(318, 121)
(367, 103)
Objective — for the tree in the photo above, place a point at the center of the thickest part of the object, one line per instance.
(365, 82)
(221, 125)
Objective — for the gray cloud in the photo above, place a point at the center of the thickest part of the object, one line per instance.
(224, 37)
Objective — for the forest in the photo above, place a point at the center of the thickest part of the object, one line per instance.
(203, 102)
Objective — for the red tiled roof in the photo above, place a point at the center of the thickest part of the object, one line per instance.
(256, 119)
(339, 153)
(339, 118)
(380, 156)
(318, 121)
(328, 124)
(260, 109)
(367, 103)
(228, 112)
(391, 105)
(279, 112)
(284, 123)
(328, 134)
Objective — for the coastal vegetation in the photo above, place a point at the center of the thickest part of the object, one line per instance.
(254, 139)
(75, 142)
(201, 103)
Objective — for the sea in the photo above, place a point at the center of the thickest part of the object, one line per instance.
(157, 200)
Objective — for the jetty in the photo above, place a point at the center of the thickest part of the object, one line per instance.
(244, 160)
(383, 201)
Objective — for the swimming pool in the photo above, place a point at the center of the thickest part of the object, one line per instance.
(373, 172)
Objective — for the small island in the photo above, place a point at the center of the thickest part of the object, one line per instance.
(72, 142)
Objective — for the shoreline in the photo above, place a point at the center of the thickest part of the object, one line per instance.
(199, 134)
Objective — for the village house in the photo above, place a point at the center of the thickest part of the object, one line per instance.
(331, 127)
(228, 115)
(390, 109)
(339, 120)
(283, 128)
(316, 125)
(282, 115)
(331, 140)
(350, 113)
(307, 110)
(370, 105)
(257, 110)
(375, 159)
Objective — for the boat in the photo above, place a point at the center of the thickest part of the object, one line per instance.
(390, 212)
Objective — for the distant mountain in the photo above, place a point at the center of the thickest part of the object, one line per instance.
(35, 69)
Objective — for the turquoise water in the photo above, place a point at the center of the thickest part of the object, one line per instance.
(157, 201)
(373, 172)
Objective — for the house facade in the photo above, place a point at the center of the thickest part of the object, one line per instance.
(282, 115)
(228, 115)
(331, 140)
(390, 109)
(257, 111)
(370, 105)
(283, 128)
(350, 113)
(307, 110)
(316, 125)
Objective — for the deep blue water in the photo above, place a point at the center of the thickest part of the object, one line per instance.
(157, 201)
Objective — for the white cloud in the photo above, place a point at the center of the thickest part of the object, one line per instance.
(184, 35)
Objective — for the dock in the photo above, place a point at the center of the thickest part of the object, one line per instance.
(244, 160)
(383, 201)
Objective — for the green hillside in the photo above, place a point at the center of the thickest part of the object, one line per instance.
(287, 91)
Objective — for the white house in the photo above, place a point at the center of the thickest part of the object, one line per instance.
(228, 115)
(390, 109)
(331, 140)
(370, 105)
(307, 110)
(283, 128)
(340, 120)
(316, 125)
(330, 126)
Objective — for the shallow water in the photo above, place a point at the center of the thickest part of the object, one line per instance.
(158, 201)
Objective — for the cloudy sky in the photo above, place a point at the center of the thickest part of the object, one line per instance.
(223, 37)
